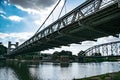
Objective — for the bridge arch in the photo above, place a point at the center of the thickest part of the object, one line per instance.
(106, 49)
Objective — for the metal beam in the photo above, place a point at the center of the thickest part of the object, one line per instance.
(96, 30)
(71, 36)
(59, 41)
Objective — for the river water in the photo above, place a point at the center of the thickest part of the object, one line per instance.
(54, 71)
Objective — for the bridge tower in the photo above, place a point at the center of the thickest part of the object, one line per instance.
(10, 48)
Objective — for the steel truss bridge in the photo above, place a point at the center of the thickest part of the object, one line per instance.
(91, 20)
(111, 49)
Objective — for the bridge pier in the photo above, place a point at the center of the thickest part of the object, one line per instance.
(10, 48)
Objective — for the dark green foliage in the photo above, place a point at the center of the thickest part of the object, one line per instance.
(3, 49)
(56, 55)
(29, 56)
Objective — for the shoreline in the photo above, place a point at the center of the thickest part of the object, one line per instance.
(107, 76)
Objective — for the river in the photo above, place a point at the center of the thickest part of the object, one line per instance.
(54, 71)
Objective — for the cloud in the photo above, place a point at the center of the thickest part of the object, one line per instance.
(32, 6)
(2, 12)
(15, 37)
(29, 10)
(12, 18)
(3, 35)
(15, 18)
(3, 16)
(101, 41)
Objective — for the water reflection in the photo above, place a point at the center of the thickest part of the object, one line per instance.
(53, 71)
(16, 71)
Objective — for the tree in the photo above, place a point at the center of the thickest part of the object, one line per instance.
(55, 55)
(3, 50)
(68, 53)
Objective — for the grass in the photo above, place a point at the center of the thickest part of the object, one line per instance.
(108, 76)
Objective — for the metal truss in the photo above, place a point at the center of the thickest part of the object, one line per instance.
(84, 10)
(107, 49)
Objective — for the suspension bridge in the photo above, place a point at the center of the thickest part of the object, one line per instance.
(91, 20)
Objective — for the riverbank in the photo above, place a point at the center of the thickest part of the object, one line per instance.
(108, 76)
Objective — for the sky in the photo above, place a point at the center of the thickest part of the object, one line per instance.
(20, 19)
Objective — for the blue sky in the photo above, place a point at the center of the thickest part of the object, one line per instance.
(9, 11)
(20, 20)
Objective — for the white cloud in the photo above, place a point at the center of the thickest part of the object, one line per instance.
(23, 35)
(33, 4)
(3, 35)
(15, 37)
(3, 16)
(29, 10)
(15, 18)
(5, 2)
(37, 22)
(2, 12)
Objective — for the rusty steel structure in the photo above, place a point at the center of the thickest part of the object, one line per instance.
(91, 20)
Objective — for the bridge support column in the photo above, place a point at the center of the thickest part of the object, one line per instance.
(10, 46)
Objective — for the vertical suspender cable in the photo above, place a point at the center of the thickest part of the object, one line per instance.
(62, 9)
(65, 8)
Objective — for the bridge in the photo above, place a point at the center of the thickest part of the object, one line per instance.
(102, 52)
(111, 49)
(91, 20)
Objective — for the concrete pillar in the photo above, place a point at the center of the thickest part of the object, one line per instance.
(9, 45)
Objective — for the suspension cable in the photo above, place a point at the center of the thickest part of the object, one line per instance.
(62, 9)
(65, 8)
(48, 16)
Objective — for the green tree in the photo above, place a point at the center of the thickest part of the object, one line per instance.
(3, 49)
(67, 53)
(55, 55)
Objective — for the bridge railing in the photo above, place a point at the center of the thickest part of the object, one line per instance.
(87, 8)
